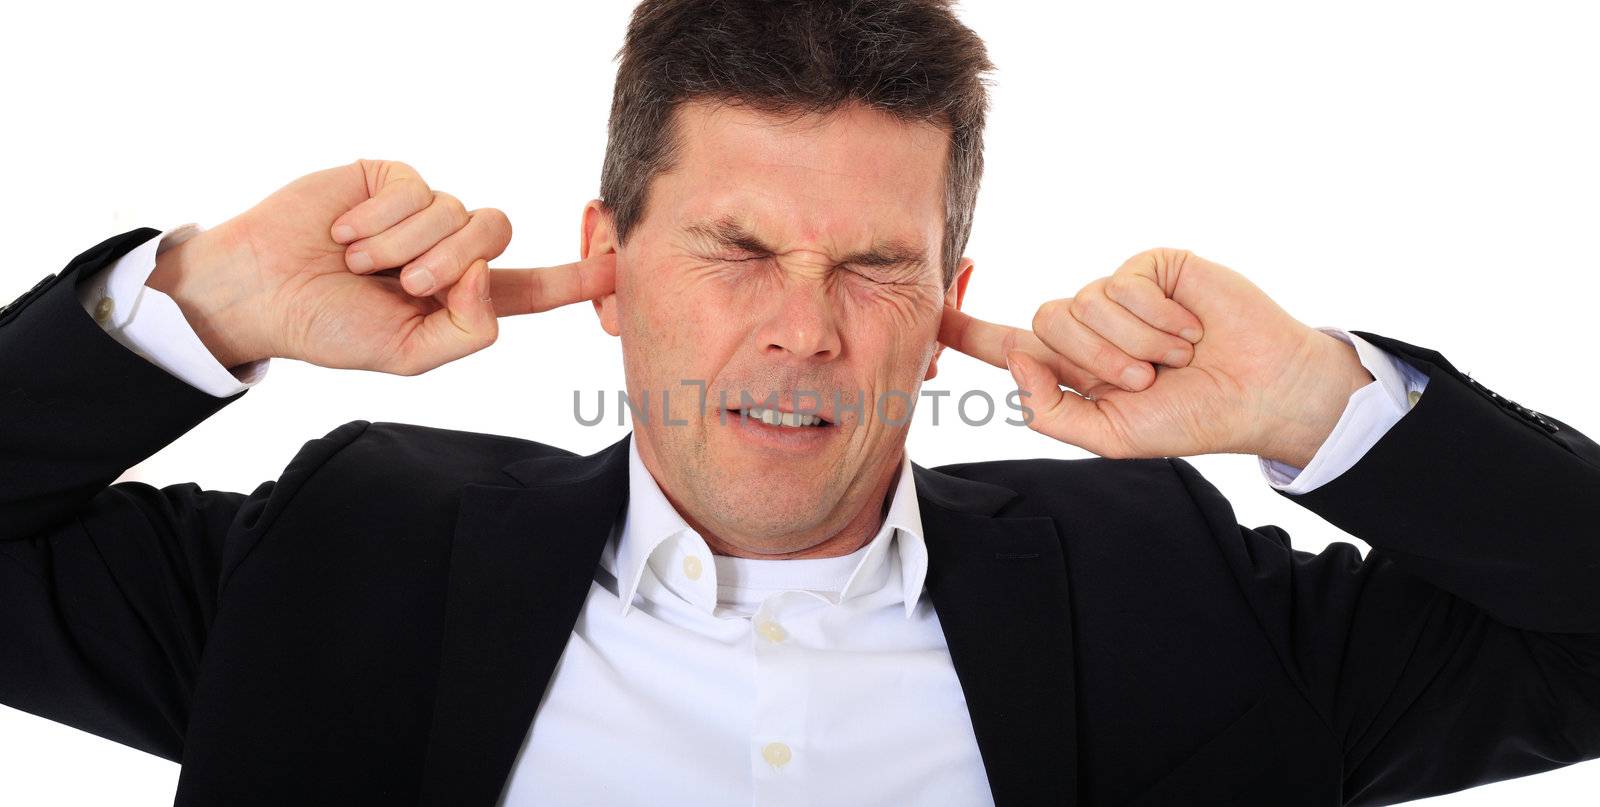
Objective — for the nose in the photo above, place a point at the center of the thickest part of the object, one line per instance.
(802, 325)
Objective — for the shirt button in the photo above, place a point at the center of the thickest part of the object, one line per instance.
(776, 754)
(691, 567)
(1413, 396)
(102, 310)
(771, 631)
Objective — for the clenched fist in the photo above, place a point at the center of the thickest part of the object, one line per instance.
(362, 266)
(1172, 355)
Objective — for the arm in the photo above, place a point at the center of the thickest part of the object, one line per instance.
(1465, 649)
(106, 590)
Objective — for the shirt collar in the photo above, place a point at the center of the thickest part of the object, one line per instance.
(652, 535)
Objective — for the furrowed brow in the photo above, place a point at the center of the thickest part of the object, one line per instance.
(725, 232)
(891, 253)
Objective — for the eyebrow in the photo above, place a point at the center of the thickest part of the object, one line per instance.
(727, 232)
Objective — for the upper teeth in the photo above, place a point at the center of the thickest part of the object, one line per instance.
(773, 417)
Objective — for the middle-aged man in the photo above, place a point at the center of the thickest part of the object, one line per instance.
(758, 599)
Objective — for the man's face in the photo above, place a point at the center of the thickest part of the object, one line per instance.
(788, 262)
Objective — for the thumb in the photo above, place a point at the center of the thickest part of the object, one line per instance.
(1062, 414)
(466, 324)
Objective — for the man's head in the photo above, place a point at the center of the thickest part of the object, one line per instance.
(789, 187)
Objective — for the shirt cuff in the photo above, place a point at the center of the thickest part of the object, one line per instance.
(150, 324)
(1369, 414)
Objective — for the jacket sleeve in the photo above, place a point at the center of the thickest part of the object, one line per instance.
(106, 590)
(1465, 648)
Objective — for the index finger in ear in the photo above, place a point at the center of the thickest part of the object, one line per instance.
(989, 343)
(529, 291)
(984, 341)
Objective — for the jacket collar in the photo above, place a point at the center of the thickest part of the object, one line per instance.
(524, 556)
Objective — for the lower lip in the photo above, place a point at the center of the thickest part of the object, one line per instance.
(793, 439)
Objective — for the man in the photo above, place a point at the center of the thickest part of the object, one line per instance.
(761, 599)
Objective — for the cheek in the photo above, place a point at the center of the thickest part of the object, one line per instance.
(680, 326)
(900, 307)
(897, 325)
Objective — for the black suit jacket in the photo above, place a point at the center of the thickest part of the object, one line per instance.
(377, 625)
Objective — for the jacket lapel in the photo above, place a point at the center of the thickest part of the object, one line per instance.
(999, 586)
(522, 560)
(524, 556)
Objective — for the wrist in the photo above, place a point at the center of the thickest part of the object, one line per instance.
(210, 279)
(1311, 406)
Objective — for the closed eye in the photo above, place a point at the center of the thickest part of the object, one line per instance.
(887, 276)
(732, 255)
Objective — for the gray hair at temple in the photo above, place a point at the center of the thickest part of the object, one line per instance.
(911, 59)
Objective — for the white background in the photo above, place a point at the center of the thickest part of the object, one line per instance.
(1422, 171)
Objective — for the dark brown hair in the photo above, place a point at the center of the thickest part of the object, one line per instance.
(909, 58)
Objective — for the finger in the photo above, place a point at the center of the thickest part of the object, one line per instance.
(989, 343)
(1128, 332)
(466, 324)
(1141, 295)
(984, 341)
(411, 237)
(528, 291)
(1064, 415)
(1064, 334)
(486, 235)
(395, 191)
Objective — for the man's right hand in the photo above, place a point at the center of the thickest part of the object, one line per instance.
(302, 275)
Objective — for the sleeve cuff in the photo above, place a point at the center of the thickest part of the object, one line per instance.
(1369, 414)
(150, 324)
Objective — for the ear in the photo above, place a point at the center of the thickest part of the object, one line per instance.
(600, 237)
(952, 298)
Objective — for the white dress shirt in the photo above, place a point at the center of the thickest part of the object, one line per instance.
(705, 679)
(150, 324)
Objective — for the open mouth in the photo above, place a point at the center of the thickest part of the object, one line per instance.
(775, 417)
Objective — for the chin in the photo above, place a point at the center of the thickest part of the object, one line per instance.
(765, 514)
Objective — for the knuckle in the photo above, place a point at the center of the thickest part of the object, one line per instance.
(459, 217)
(1047, 315)
(417, 192)
(495, 221)
(1008, 343)
(533, 292)
(450, 203)
(1084, 307)
(1121, 287)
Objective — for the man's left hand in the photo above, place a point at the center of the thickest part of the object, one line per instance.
(1171, 355)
